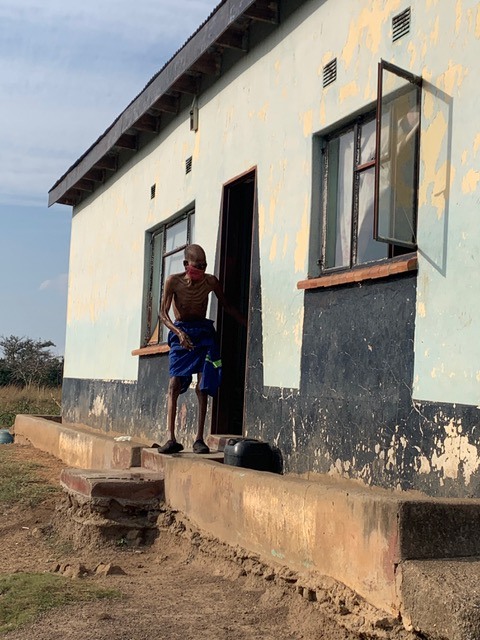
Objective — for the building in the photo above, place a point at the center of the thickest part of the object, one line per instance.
(326, 155)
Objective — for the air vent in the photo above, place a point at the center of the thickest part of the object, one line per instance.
(188, 164)
(401, 24)
(153, 188)
(330, 72)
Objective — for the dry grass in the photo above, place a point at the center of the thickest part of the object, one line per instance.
(36, 400)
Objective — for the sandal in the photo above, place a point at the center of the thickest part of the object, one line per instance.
(199, 446)
(171, 446)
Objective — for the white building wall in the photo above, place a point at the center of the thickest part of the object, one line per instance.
(263, 113)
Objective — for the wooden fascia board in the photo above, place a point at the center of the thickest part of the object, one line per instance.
(180, 63)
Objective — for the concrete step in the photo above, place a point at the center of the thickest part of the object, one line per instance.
(129, 487)
(154, 461)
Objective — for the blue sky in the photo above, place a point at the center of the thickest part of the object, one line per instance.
(66, 71)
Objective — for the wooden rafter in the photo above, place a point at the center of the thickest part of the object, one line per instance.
(186, 84)
(127, 141)
(97, 175)
(168, 104)
(147, 123)
(85, 185)
(263, 11)
(107, 162)
(209, 64)
(233, 39)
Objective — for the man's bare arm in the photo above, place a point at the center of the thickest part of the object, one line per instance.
(168, 292)
(230, 309)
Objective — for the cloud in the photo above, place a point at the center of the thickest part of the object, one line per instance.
(58, 284)
(68, 70)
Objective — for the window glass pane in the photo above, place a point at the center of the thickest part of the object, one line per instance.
(339, 201)
(172, 264)
(398, 150)
(367, 142)
(192, 229)
(176, 236)
(156, 279)
(368, 249)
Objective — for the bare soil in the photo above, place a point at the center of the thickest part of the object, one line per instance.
(185, 586)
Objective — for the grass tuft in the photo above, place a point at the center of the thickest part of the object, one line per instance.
(23, 596)
(45, 401)
(19, 482)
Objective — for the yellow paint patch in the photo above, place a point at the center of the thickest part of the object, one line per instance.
(271, 210)
(412, 50)
(327, 57)
(285, 246)
(196, 148)
(428, 105)
(476, 144)
(478, 376)
(465, 156)
(435, 31)
(262, 114)
(458, 16)
(308, 123)
(348, 91)
(323, 113)
(298, 329)
(301, 247)
(453, 77)
(367, 29)
(433, 373)
(470, 181)
(261, 220)
(273, 249)
(432, 144)
(477, 23)
(277, 66)
(422, 312)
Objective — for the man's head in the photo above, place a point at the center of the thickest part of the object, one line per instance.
(195, 262)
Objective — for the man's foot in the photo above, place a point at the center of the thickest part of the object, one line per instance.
(172, 446)
(199, 446)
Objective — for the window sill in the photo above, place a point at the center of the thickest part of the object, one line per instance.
(151, 350)
(403, 264)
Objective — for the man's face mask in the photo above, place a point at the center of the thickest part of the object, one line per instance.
(194, 273)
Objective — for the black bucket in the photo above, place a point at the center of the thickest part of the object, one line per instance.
(250, 454)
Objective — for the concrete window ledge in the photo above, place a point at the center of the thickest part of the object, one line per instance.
(151, 350)
(403, 264)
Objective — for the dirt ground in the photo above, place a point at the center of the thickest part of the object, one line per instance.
(184, 587)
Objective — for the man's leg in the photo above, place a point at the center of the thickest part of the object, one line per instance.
(202, 397)
(172, 446)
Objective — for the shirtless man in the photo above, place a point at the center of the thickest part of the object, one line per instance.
(192, 340)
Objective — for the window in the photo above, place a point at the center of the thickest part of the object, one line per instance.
(370, 177)
(167, 245)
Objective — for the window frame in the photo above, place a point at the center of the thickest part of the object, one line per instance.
(396, 247)
(152, 333)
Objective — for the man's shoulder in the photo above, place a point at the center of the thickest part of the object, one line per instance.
(174, 279)
(211, 279)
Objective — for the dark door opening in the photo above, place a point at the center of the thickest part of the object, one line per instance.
(234, 275)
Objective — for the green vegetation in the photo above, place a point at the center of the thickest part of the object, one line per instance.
(19, 482)
(36, 400)
(28, 362)
(25, 595)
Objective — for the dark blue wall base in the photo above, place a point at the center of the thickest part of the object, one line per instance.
(353, 414)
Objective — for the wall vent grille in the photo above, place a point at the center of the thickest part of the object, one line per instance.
(330, 72)
(153, 189)
(401, 24)
(188, 164)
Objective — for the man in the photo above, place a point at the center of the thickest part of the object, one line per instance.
(192, 340)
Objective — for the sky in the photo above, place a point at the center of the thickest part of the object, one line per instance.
(67, 70)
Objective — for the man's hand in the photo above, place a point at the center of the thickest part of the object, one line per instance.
(185, 341)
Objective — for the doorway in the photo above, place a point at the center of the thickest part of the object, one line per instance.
(234, 275)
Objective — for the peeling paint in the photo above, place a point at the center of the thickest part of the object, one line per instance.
(348, 91)
(301, 247)
(308, 123)
(273, 249)
(455, 454)
(470, 181)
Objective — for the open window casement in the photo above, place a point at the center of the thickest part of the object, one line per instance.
(397, 155)
(167, 246)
